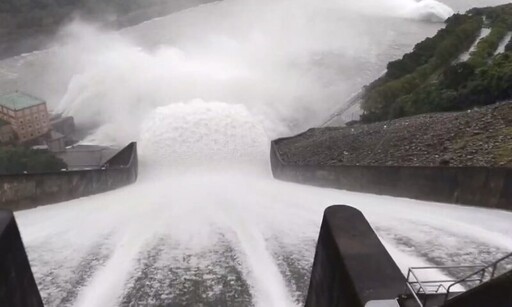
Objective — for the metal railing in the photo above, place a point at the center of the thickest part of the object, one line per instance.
(425, 287)
(492, 267)
(418, 286)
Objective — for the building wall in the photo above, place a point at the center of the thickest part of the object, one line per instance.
(56, 145)
(6, 133)
(28, 123)
(32, 122)
(64, 125)
(6, 114)
(25, 191)
(475, 186)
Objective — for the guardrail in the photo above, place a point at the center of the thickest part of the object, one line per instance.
(425, 287)
(493, 266)
(417, 286)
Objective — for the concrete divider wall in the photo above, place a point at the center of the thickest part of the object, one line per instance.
(25, 191)
(476, 186)
(17, 285)
(351, 266)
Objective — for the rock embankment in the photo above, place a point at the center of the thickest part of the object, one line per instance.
(478, 137)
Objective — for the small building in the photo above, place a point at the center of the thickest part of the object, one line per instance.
(80, 157)
(64, 125)
(27, 115)
(6, 132)
(55, 142)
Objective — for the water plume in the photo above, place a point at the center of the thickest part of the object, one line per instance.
(196, 133)
(280, 59)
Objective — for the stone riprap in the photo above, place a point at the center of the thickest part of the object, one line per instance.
(479, 137)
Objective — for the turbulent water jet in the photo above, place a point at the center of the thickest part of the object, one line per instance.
(198, 132)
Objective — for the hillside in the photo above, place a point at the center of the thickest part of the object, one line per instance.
(466, 64)
(33, 14)
(17, 160)
(479, 137)
(27, 25)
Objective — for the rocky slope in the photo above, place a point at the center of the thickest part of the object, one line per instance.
(478, 137)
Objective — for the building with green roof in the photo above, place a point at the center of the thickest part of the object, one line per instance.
(17, 101)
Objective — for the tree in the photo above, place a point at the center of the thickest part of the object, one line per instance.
(429, 79)
(456, 75)
(15, 160)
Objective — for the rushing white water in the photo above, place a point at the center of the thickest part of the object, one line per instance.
(224, 233)
(503, 43)
(288, 62)
(204, 91)
(233, 230)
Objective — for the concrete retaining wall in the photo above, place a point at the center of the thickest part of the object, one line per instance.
(476, 186)
(17, 285)
(25, 191)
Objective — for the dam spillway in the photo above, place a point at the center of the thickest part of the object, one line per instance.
(208, 88)
(351, 268)
(141, 244)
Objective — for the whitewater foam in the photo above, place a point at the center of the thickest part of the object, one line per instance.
(429, 10)
(262, 221)
(194, 133)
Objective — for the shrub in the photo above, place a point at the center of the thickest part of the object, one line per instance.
(19, 160)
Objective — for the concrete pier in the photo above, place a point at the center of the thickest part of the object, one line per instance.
(351, 267)
(17, 285)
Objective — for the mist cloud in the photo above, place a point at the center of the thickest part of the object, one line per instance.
(287, 62)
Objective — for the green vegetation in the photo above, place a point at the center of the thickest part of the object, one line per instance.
(14, 160)
(430, 79)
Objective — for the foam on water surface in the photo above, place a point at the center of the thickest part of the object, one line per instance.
(198, 132)
(266, 227)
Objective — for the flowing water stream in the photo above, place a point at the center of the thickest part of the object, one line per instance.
(204, 91)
